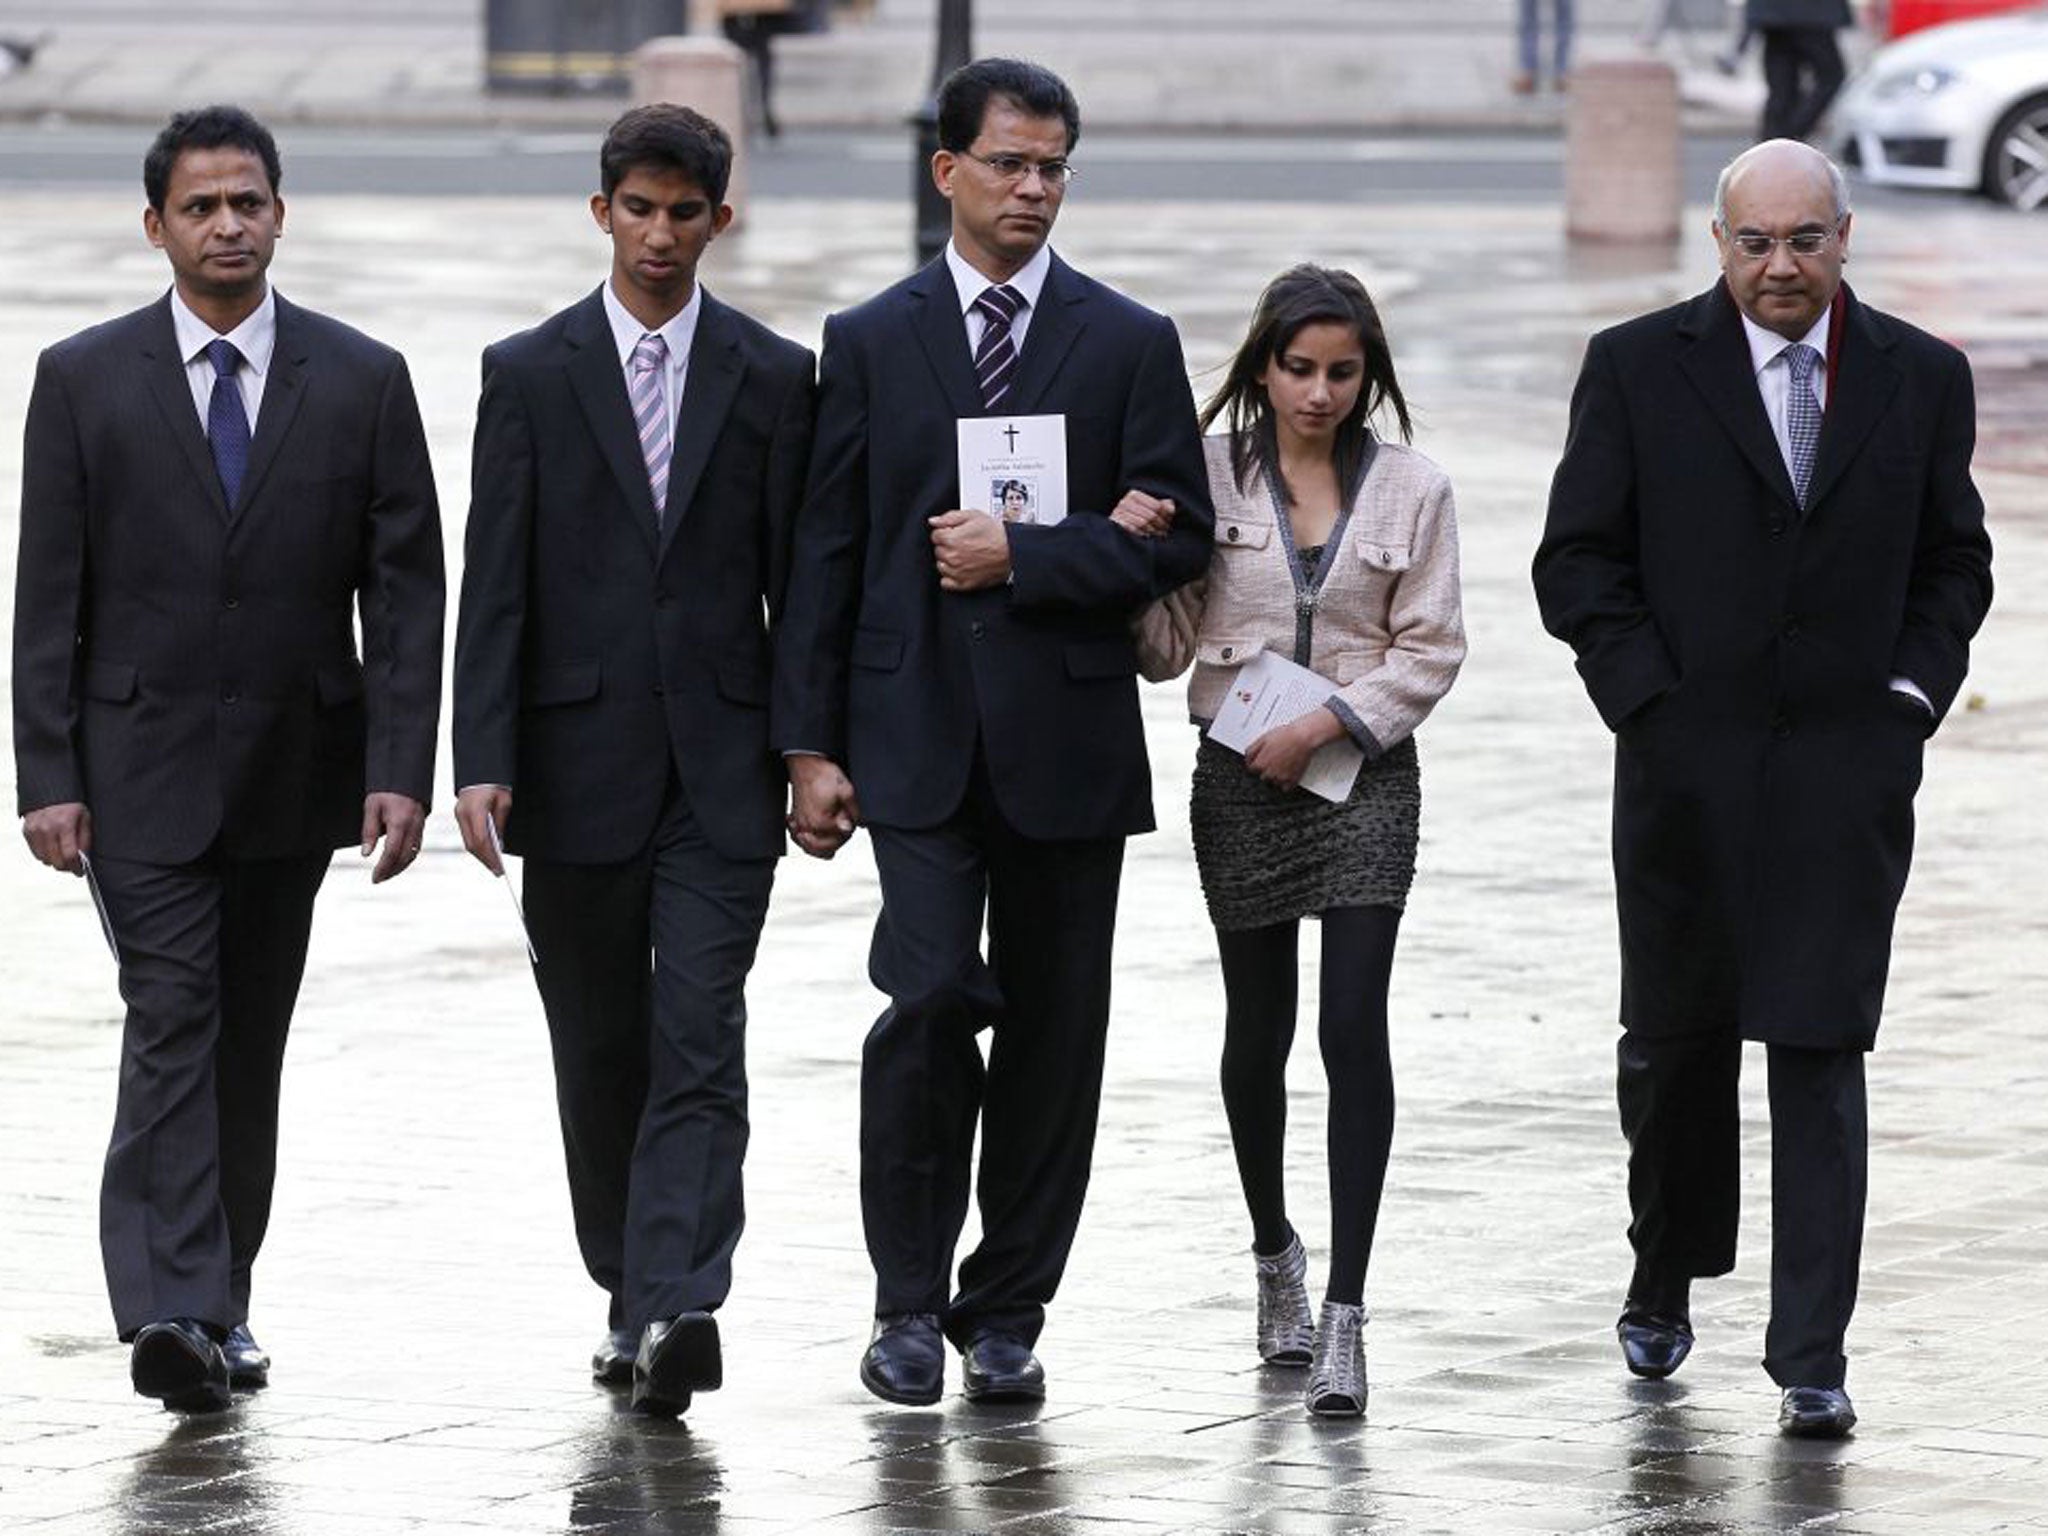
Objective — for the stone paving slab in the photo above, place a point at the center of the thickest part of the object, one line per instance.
(420, 1289)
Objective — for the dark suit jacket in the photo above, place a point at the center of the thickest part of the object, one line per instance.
(587, 657)
(1819, 15)
(1743, 650)
(188, 669)
(879, 669)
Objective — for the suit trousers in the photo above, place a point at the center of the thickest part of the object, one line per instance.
(211, 957)
(1043, 992)
(642, 972)
(1679, 1112)
(1802, 72)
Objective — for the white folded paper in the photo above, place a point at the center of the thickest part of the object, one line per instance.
(1270, 691)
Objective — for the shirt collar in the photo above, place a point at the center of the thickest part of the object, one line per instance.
(1764, 346)
(970, 281)
(255, 338)
(679, 333)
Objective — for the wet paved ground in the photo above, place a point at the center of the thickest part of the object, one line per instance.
(421, 1292)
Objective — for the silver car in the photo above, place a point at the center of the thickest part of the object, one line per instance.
(1962, 106)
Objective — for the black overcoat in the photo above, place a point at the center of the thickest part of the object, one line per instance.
(1743, 652)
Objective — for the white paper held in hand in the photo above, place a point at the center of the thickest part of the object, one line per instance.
(1014, 467)
(1270, 691)
(498, 847)
(99, 905)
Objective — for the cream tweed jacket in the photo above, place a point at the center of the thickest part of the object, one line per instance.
(1388, 631)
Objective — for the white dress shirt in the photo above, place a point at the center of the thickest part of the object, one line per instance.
(679, 333)
(1773, 368)
(255, 338)
(1774, 382)
(970, 283)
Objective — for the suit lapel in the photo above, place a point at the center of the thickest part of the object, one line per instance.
(710, 384)
(283, 392)
(1714, 355)
(1054, 325)
(942, 333)
(1861, 389)
(165, 371)
(600, 387)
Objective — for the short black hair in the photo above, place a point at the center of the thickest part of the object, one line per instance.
(215, 127)
(1032, 88)
(669, 137)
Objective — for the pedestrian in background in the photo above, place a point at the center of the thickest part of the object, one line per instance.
(1802, 61)
(1339, 552)
(216, 490)
(1529, 45)
(1765, 548)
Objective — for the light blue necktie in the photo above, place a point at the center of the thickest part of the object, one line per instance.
(1802, 416)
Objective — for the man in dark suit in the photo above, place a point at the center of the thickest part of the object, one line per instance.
(1802, 61)
(639, 459)
(211, 486)
(976, 679)
(1766, 549)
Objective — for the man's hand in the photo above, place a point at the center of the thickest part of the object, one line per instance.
(972, 549)
(399, 820)
(1280, 757)
(1149, 517)
(58, 834)
(475, 809)
(823, 811)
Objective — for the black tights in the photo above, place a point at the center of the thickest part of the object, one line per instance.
(1259, 986)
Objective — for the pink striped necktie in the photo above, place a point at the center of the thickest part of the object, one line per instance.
(995, 360)
(650, 416)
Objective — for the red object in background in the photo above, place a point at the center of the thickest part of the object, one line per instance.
(1912, 15)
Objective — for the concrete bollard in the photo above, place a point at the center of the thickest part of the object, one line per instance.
(706, 73)
(1621, 172)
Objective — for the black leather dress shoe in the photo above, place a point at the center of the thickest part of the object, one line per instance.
(1816, 1413)
(1653, 1344)
(676, 1358)
(248, 1362)
(612, 1361)
(1001, 1369)
(177, 1362)
(906, 1359)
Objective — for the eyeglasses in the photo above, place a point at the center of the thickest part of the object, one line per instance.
(1806, 242)
(1015, 168)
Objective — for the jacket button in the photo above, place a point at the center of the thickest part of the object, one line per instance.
(657, 690)
(1229, 651)
(231, 602)
(1790, 628)
(1230, 533)
(1781, 727)
(229, 696)
(1777, 526)
(977, 629)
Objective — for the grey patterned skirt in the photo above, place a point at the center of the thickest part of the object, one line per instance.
(1269, 855)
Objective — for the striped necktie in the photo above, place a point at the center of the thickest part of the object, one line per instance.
(650, 417)
(995, 360)
(1802, 417)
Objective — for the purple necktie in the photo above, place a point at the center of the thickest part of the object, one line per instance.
(650, 416)
(227, 420)
(995, 360)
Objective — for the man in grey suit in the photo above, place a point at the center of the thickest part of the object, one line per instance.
(212, 486)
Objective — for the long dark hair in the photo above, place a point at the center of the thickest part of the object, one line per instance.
(1300, 296)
